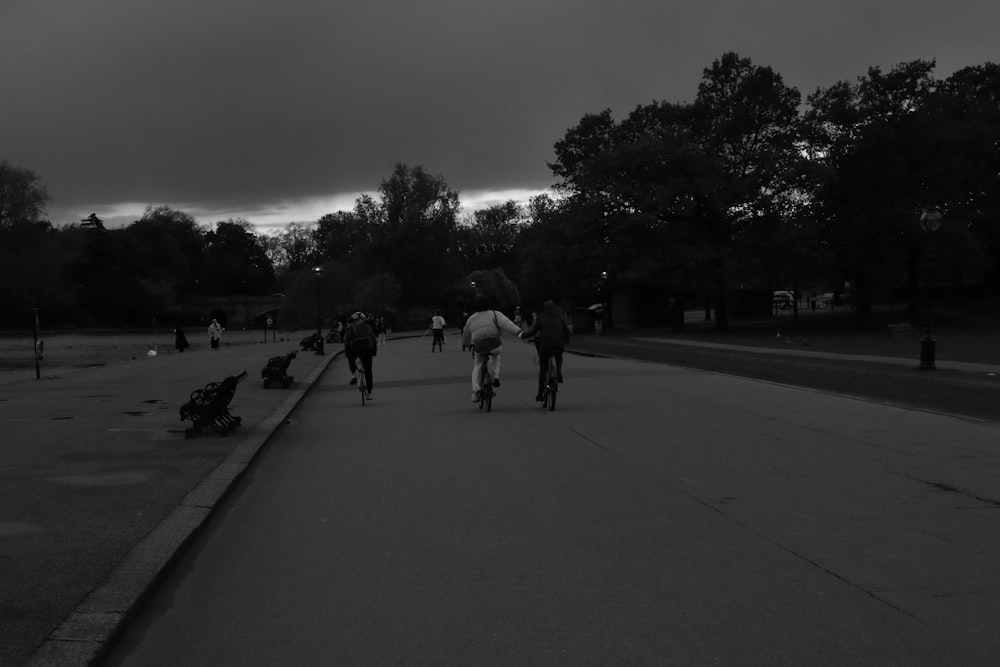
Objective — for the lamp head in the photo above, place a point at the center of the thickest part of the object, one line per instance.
(930, 219)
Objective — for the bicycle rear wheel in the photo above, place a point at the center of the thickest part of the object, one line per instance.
(485, 384)
(551, 386)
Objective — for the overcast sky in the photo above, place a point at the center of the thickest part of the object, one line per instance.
(283, 110)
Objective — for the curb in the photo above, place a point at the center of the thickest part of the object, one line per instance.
(88, 630)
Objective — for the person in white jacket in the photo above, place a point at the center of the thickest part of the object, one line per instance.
(482, 332)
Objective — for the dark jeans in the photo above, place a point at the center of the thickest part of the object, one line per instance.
(366, 360)
(438, 339)
(544, 354)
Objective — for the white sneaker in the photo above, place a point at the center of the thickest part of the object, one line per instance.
(475, 397)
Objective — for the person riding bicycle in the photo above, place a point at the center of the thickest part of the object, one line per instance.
(360, 342)
(551, 335)
(482, 332)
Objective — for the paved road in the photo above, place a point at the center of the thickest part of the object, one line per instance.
(659, 516)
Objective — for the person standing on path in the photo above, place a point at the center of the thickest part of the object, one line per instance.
(215, 333)
(437, 331)
(180, 340)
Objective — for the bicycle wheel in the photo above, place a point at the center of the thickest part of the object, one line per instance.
(485, 381)
(362, 383)
(489, 397)
(552, 383)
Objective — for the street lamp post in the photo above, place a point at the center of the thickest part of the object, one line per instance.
(605, 302)
(318, 275)
(930, 222)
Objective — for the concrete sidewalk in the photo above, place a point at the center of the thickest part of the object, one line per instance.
(100, 486)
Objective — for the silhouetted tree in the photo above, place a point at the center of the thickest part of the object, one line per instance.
(22, 196)
(236, 261)
(486, 239)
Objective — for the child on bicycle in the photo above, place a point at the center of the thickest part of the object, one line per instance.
(551, 335)
(482, 332)
(360, 342)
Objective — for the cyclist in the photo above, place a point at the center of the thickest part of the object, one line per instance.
(551, 335)
(360, 341)
(482, 332)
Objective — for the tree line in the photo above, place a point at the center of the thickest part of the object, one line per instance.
(747, 187)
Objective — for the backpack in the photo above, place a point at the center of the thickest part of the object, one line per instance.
(361, 341)
(486, 344)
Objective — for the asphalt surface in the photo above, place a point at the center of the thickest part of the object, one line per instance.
(660, 516)
(101, 489)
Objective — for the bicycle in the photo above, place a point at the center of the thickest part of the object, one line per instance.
(362, 380)
(486, 391)
(551, 387)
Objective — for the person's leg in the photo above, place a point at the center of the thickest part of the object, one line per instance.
(366, 359)
(477, 367)
(559, 357)
(351, 366)
(495, 364)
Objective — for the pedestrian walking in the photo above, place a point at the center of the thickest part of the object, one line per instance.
(215, 333)
(437, 330)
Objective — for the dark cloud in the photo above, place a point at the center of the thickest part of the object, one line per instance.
(251, 105)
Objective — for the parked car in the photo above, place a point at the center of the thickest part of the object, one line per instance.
(782, 300)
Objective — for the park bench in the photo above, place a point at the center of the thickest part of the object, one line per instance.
(276, 370)
(210, 407)
(901, 329)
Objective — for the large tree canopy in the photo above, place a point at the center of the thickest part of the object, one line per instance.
(22, 196)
